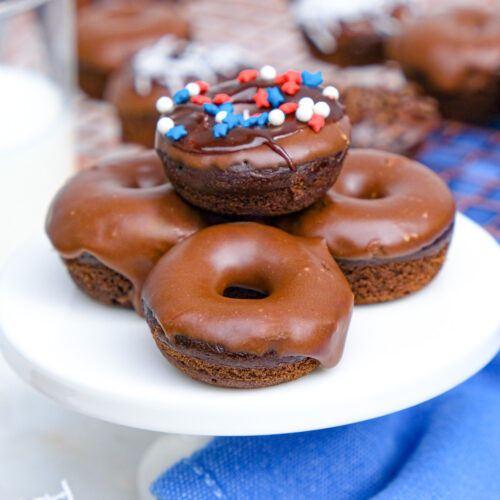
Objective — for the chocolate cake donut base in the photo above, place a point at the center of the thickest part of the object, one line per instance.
(266, 192)
(99, 282)
(92, 81)
(390, 280)
(217, 366)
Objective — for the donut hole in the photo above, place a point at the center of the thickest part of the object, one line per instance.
(363, 189)
(244, 292)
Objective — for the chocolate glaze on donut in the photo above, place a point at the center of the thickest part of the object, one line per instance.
(382, 206)
(304, 310)
(123, 213)
(269, 147)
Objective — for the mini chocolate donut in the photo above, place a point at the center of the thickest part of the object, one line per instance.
(350, 32)
(455, 56)
(110, 32)
(387, 222)
(387, 111)
(162, 69)
(112, 222)
(247, 305)
(267, 156)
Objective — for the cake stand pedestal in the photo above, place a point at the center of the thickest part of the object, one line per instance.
(102, 361)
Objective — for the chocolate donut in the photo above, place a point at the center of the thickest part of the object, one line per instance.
(109, 33)
(455, 56)
(162, 69)
(268, 156)
(112, 222)
(351, 32)
(387, 222)
(247, 305)
(387, 112)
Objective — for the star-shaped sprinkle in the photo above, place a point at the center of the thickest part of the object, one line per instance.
(247, 75)
(220, 130)
(176, 132)
(211, 109)
(181, 96)
(262, 119)
(231, 120)
(226, 106)
(274, 96)
(260, 99)
(317, 122)
(221, 98)
(204, 86)
(312, 79)
(289, 107)
(290, 87)
(201, 99)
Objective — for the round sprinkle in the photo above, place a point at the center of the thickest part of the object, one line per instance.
(331, 92)
(220, 116)
(306, 102)
(322, 108)
(304, 113)
(164, 104)
(267, 72)
(276, 117)
(164, 124)
(193, 89)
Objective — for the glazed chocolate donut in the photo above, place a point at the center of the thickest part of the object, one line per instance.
(267, 156)
(247, 305)
(387, 222)
(112, 222)
(387, 111)
(351, 32)
(455, 56)
(162, 69)
(109, 33)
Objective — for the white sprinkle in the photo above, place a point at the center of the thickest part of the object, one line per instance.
(304, 113)
(306, 102)
(193, 89)
(220, 116)
(267, 72)
(164, 104)
(322, 108)
(331, 92)
(246, 114)
(276, 117)
(164, 124)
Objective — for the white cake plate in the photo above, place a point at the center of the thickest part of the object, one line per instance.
(103, 362)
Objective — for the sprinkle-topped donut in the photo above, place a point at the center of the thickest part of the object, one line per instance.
(277, 149)
(387, 222)
(247, 305)
(112, 222)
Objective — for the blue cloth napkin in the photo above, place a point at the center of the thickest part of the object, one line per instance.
(446, 448)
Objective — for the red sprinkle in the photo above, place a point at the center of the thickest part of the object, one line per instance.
(248, 74)
(260, 99)
(290, 87)
(201, 99)
(279, 79)
(293, 76)
(289, 107)
(317, 122)
(221, 98)
(203, 85)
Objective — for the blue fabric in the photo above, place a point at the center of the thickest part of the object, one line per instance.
(446, 448)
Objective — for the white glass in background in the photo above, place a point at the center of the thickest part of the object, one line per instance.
(36, 133)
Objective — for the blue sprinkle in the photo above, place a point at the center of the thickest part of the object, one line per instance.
(226, 106)
(177, 132)
(250, 122)
(274, 96)
(181, 96)
(231, 120)
(312, 79)
(211, 109)
(262, 119)
(220, 130)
